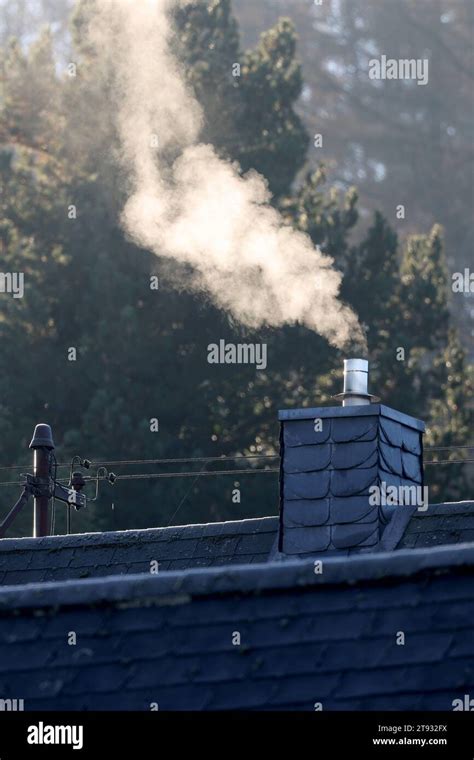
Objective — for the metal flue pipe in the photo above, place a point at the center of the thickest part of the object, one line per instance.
(42, 445)
(356, 381)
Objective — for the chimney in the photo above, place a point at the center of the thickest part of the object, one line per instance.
(345, 469)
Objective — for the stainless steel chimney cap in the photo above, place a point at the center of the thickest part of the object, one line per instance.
(361, 365)
(356, 378)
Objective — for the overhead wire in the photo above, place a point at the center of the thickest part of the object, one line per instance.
(247, 471)
(222, 457)
(214, 459)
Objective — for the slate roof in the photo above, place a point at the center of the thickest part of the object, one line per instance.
(450, 523)
(90, 555)
(304, 638)
(31, 560)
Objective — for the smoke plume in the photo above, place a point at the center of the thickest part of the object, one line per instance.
(201, 211)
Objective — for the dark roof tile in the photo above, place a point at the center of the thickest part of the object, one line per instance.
(411, 440)
(463, 644)
(352, 509)
(347, 429)
(23, 576)
(307, 540)
(16, 560)
(307, 512)
(311, 687)
(302, 432)
(411, 466)
(393, 680)
(307, 458)
(391, 432)
(352, 482)
(347, 456)
(391, 458)
(359, 534)
(93, 679)
(304, 638)
(306, 486)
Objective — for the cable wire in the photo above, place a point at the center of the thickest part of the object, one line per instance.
(448, 461)
(446, 448)
(185, 460)
(247, 471)
(222, 457)
(192, 474)
(187, 493)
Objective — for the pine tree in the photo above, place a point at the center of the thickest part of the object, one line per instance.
(142, 353)
(451, 421)
(30, 109)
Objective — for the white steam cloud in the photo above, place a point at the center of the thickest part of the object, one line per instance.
(202, 211)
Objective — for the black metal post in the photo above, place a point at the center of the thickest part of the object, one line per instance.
(42, 445)
(40, 515)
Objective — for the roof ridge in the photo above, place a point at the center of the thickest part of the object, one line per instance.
(376, 567)
(124, 536)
